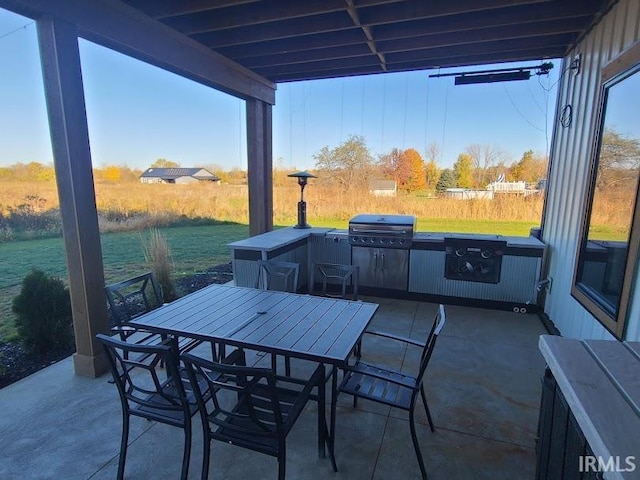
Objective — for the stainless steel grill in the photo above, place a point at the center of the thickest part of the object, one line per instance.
(387, 231)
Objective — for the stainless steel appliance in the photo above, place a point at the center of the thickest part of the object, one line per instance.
(473, 260)
(380, 247)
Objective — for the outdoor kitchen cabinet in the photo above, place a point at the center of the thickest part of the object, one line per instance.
(589, 423)
(382, 267)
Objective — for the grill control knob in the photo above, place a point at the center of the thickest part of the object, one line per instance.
(401, 242)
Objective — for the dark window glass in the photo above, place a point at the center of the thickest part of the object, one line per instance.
(604, 256)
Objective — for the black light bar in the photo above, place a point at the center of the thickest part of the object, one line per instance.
(466, 79)
(497, 75)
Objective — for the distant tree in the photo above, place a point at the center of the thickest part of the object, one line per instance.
(463, 169)
(447, 180)
(484, 157)
(350, 163)
(432, 173)
(619, 159)
(433, 152)
(112, 174)
(415, 163)
(392, 167)
(530, 168)
(164, 163)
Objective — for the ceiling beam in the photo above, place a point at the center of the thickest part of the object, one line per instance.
(351, 9)
(493, 18)
(173, 8)
(117, 26)
(417, 43)
(416, 9)
(328, 22)
(434, 26)
(242, 15)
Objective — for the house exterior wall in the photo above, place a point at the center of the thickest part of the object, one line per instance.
(571, 156)
(183, 180)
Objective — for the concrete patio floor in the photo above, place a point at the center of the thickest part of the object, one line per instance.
(483, 386)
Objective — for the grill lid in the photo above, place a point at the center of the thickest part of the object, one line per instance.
(395, 231)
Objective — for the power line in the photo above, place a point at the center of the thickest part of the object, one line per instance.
(24, 27)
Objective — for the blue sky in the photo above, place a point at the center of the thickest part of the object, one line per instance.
(138, 113)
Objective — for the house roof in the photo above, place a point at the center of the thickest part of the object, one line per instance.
(288, 40)
(173, 173)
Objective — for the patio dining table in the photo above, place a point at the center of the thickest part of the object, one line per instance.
(319, 329)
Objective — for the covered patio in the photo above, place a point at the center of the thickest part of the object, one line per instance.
(483, 385)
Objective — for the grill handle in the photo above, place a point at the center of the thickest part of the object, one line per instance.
(379, 232)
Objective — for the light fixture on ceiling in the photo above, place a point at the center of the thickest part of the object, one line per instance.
(498, 75)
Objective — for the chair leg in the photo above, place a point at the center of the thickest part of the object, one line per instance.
(123, 445)
(282, 463)
(186, 456)
(206, 454)
(416, 446)
(287, 366)
(322, 420)
(426, 408)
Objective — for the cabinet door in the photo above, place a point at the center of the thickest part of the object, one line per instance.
(393, 268)
(367, 260)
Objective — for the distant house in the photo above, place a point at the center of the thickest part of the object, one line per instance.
(465, 194)
(178, 175)
(383, 188)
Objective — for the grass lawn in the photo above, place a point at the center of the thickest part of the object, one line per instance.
(193, 249)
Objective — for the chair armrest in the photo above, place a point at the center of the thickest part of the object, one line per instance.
(395, 337)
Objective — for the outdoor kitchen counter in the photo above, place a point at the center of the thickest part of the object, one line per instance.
(599, 380)
(275, 239)
(427, 238)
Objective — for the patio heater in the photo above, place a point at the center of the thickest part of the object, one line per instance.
(302, 206)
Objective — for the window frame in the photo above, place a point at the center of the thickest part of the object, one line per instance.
(622, 67)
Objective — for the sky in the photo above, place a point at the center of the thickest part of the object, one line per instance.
(138, 113)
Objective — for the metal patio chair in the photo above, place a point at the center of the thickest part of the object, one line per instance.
(393, 388)
(279, 276)
(282, 277)
(253, 407)
(332, 274)
(133, 297)
(143, 394)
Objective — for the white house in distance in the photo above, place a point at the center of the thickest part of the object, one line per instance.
(178, 175)
(383, 188)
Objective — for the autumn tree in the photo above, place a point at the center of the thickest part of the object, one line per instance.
(350, 163)
(392, 166)
(447, 180)
(164, 163)
(431, 174)
(530, 168)
(463, 169)
(416, 179)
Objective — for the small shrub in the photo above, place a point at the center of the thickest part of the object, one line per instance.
(158, 256)
(43, 310)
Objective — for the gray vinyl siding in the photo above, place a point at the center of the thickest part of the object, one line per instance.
(569, 175)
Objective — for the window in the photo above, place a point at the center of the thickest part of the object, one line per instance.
(610, 230)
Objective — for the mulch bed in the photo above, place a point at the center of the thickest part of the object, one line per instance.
(17, 363)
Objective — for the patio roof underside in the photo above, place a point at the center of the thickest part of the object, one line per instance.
(290, 40)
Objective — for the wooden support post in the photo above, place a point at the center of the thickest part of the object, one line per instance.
(260, 174)
(64, 94)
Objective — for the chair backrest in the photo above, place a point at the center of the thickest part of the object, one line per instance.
(334, 273)
(276, 275)
(134, 370)
(133, 297)
(239, 405)
(436, 328)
